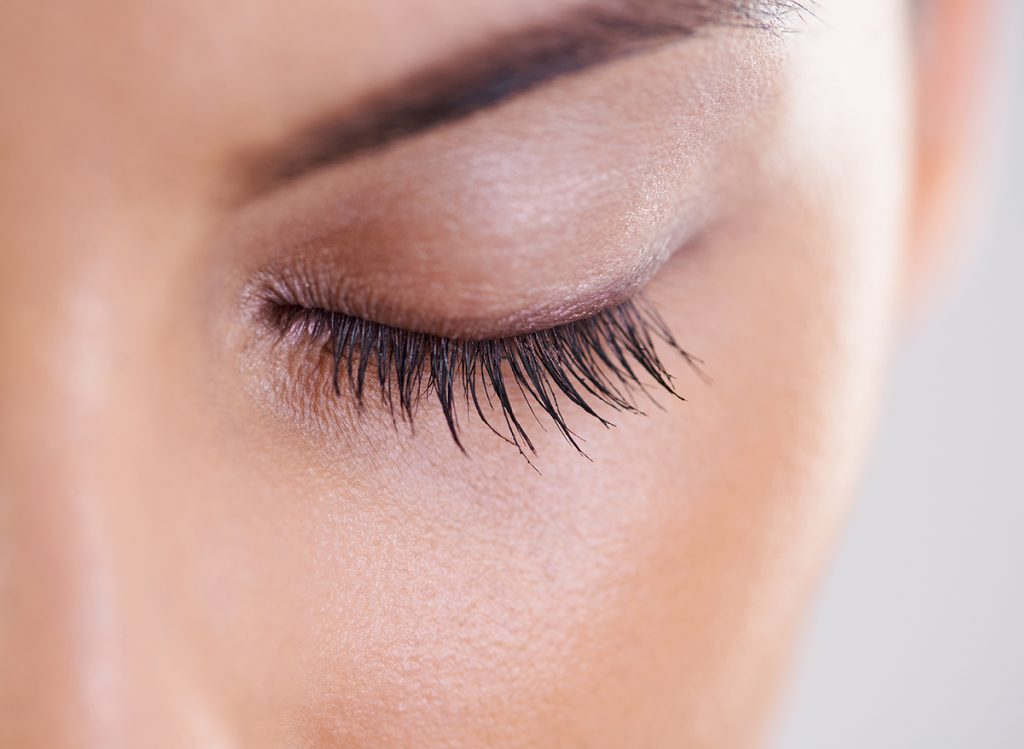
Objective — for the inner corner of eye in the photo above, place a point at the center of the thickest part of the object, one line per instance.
(278, 310)
(274, 294)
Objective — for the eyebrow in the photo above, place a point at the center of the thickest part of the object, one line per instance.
(501, 68)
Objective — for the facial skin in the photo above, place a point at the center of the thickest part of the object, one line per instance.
(198, 547)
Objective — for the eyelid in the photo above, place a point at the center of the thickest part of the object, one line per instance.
(513, 228)
(301, 284)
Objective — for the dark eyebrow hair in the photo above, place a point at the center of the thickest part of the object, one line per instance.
(506, 66)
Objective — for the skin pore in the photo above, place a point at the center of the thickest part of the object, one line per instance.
(200, 546)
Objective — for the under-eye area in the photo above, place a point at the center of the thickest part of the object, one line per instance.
(609, 360)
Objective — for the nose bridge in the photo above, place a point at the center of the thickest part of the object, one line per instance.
(59, 373)
(75, 639)
(88, 653)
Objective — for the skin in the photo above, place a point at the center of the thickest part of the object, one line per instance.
(200, 547)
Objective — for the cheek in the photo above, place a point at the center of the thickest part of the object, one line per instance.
(459, 613)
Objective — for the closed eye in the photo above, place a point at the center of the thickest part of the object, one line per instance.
(607, 358)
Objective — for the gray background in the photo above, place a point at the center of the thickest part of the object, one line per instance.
(918, 637)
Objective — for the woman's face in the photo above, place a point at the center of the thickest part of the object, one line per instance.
(202, 544)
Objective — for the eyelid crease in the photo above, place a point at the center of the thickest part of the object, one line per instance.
(605, 357)
(309, 280)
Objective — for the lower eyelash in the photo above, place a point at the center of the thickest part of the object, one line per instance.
(604, 357)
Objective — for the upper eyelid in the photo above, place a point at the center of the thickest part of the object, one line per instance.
(301, 281)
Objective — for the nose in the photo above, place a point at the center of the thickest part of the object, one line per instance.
(89, 654)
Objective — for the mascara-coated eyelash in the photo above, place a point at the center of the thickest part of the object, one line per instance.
(604, 357)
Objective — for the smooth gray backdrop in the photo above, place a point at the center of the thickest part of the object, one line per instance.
(918, 638)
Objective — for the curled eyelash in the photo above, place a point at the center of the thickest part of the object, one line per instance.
(603, 358)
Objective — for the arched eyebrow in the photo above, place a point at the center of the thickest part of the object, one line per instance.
(501, 68)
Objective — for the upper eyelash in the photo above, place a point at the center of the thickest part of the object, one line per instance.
(604, 357)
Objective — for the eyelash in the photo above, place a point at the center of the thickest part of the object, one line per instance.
(604, 357)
